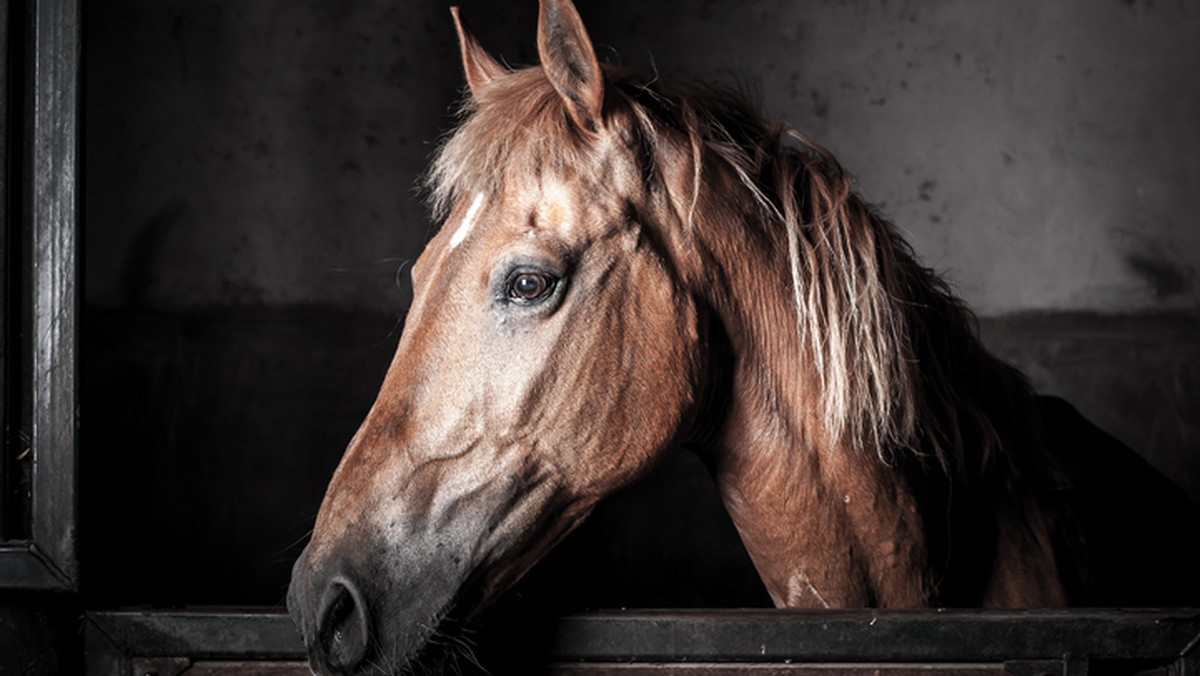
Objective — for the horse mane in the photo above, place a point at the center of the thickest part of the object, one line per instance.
(896, 352)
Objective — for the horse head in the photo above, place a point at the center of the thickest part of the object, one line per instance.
(549, 357)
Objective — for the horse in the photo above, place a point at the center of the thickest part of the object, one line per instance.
(627, 267)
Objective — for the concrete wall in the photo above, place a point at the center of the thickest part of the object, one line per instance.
(250, 206)
(1042, 154)
(259, 152)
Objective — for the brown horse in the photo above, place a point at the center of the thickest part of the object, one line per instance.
(625, 269)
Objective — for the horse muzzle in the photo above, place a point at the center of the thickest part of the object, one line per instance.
(331, 614)
(357, 615)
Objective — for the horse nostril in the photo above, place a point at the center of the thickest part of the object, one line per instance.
(342, 627)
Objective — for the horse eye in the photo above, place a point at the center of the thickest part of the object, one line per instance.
(528, 287)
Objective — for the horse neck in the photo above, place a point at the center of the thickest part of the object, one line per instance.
(833, 522)
(827, 525)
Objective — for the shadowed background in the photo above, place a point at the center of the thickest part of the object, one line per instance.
(251, 213)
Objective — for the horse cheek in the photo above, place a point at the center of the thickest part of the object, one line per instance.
(665, 369)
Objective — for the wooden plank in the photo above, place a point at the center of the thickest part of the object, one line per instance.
(21, 566)
(200, 634)
(873, 636)
(47, 129)
(5, 254)
(55, 213)
(725, 669)
(754, 642)
(247, 669)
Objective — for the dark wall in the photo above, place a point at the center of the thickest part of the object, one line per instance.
(265, 152)
(251, 212)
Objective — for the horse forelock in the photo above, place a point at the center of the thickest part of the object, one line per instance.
(863, 303)
(516, 127)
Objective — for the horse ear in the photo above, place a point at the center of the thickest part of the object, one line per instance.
(479, 66)
(570, 62)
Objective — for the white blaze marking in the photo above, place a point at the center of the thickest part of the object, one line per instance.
(468, 222)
